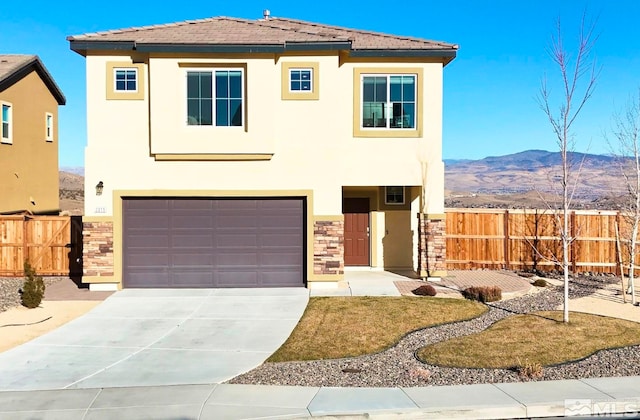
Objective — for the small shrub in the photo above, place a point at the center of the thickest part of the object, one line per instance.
(425, 290)
(33, 287)
(540, 283)
(483, 294)
(529, 370)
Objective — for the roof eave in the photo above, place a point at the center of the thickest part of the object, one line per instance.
(445, 53)
(82, 46)
(37, 66)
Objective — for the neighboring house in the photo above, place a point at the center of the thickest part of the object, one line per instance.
(240, 153)
(29, 100)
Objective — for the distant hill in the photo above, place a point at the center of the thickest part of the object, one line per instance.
(71, 192)
(470, 182)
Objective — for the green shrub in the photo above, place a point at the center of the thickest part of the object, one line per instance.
(540, 283)
(425, 290)
(33, 287)
(483, 294)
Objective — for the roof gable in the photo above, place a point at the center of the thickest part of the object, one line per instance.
(14, 67)
(224, 34)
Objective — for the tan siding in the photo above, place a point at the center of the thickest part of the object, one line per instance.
(29, 166)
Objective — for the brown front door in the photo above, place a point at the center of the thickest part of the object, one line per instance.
(356, 231)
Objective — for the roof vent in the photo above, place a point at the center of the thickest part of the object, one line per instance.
(266, 13)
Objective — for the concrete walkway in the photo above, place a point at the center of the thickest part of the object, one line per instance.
(603, 396)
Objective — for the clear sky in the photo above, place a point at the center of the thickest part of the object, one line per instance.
(489, 89)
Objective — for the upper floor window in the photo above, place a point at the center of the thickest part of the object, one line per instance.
(7, 123)
(125, 79)
(48, 124)
(215, 97)
(300, 80)
(389, 101)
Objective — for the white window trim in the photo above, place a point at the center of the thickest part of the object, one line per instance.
(386, 195)
(48, 130)
(115, 82)
(388, 105)
(297, 92)
(213, 70)
(7, 140)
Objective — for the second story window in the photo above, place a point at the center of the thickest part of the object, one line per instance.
(388, 101)
(48, 122)
(215, 97)
(300, 80)
(7, 123)
(126, 80)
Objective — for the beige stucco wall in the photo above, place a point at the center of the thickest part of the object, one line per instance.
(304, 145)
(29, 166)
(311, 141)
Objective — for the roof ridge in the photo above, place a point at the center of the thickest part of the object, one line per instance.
(367, 32)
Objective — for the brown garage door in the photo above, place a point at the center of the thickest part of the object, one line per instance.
(176, 242)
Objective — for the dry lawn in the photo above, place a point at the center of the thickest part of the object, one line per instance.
(336, 327)
(540, 338)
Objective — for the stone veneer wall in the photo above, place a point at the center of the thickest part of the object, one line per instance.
(432, 246)
(97, 255)
(328, 247)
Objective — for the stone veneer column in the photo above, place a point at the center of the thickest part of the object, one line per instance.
(432, 247)
(97, 255)
(328, 247)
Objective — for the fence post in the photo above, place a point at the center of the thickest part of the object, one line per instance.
(573, 243)
(507, 239)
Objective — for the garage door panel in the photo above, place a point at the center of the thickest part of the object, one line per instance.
(228, 260)
(189, 221)
(195, 240)
(213, 242)
(238, 279)
(193, 260)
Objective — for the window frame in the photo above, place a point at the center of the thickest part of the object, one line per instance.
(214, 98)
(115, 79)
(381, 132)
(394, 203)
(9, 138)
(48, 126)
(292, 95)
(112, 93)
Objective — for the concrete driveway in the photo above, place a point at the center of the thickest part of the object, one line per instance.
(153, 337)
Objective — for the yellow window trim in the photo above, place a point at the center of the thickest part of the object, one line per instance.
(358, 131)
(111, 89)
(314, 95)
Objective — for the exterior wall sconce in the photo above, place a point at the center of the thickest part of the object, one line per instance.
(99, 188)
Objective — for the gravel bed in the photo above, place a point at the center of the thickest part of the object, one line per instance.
(10, 287)
(398, 365)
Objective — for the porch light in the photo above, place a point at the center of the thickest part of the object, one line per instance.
(99, 188)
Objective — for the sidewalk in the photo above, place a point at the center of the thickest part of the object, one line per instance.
(603, 396)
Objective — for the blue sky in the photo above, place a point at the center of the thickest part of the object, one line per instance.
(489, 90)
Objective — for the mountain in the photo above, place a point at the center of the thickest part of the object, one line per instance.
(71, 192)
(78, 170)
(536, 171)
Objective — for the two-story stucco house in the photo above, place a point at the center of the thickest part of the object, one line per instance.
(230, 152)
(29, 100)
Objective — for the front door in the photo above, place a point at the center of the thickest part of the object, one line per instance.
(356, 231)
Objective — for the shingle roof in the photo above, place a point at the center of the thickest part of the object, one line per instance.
(272, 32)
(14, 67)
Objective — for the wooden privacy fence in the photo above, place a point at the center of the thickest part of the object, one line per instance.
(530, 239)
(50, 243)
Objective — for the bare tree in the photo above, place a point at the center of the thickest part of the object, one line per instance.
(626, 132)
(578, 74)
